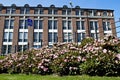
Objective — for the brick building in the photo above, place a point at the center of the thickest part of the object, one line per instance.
(50, 24)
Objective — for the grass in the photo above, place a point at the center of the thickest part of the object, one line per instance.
(52, 77)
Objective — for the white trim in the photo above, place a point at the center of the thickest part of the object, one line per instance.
(7, 43)
(38, 30)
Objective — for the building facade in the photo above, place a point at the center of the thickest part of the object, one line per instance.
(50, 25)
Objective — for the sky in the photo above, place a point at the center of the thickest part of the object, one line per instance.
(97, 4)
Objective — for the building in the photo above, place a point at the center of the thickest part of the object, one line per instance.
(49, 25)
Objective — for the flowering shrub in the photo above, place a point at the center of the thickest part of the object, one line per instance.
(96, 57)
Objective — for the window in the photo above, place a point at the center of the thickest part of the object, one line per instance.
(23, 36)
(52, 24)
(25, 11)
(20, 36)
(90, 13)
(69, 24)
(22, 47)
(105, 13)
(6, 24)
(6, 49)
(55, 24)
(69, 12)
(66, 25)
(52, 37)
(80, 25)
(63, 12)
(9, 24)
(37, 24)
(49, 24)
(82, 12)
(93, 35)
(66, 12)
(8, 36)
(52, 11)
(80, 36)
(5, 36)
(77, 12)
(10, 11)
(93, 25)
(37, 36)
(38, 11)
(106, 26)
(23, 24)
(67, 37)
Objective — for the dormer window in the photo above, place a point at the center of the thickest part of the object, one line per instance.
(105, 13)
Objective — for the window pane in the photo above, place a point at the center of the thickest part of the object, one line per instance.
(5, 36)
(4, 49)
(82, 25)
(69, 37)
(50, 11)
(40, 36)
(50, 24)
(11, 24)
(10, 36)
(55, 11)
(35, 36)
(26, 24)
(65, 37)
(41, 11)
(20, 36)
(40, 24)
(104, 26)
(8, 11)
(25, 36)
(69, 12)
(55, 37)
(105, 13)
(108, 25)
(27, 10)
(82, 12)
(35, 24)
(50, 37)
(79, 37)
(77, 12)
(9, 48)
(19, 47)
(63, 12)
(96, 25)
(64, 24)
(91, 25)
(36, 11)
(69, 25)
(13, 11)
(78, 25)
(22, 11)
(21, 24)
(6, 24)
(55, 24)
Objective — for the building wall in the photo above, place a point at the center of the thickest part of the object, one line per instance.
(73, 34)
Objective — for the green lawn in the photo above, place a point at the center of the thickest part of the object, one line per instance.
(52, 77)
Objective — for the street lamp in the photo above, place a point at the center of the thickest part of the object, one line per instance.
(71, 22)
